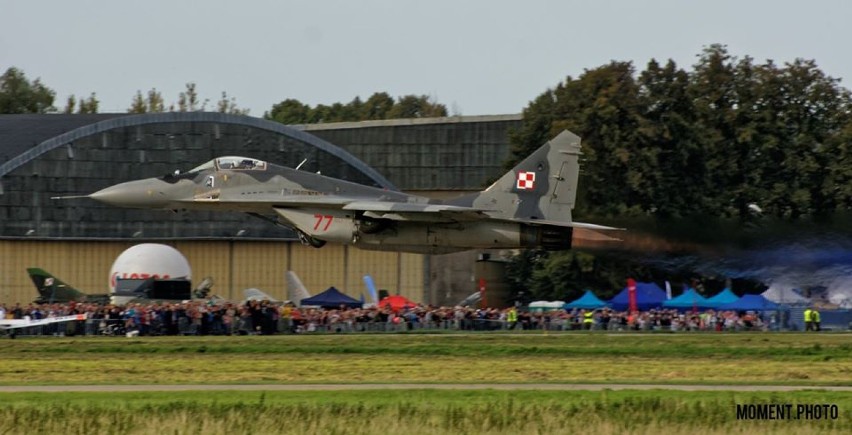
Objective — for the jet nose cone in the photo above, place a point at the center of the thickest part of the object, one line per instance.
(137, 194)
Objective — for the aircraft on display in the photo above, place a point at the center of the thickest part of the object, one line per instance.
(296, 291)
(253, 294)
(52, 289)
(528, 207)
(11, 325)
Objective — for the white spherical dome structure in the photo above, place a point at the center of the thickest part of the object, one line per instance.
(149, 260)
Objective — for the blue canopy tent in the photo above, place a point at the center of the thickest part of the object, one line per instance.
(648, 295)
(588, 301)
(725, 296)
(752, 303)
(331, 298)
(688, 300)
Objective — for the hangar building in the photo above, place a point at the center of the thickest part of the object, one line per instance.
(77, 240)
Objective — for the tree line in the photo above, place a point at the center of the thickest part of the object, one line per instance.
(18, 95)
(713, 140)
(378, 106)
(726, 139)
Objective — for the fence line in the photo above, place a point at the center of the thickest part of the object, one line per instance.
(246, 326)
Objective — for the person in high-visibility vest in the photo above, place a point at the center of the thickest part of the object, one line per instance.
(809, 319)
(512, 318)
(815, 319)
(588, 319)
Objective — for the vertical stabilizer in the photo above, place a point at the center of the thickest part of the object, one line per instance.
(542, 187)
(296, 291)
(371, 287)
(52, 289)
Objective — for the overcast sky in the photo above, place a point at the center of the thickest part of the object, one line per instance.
(477, 57)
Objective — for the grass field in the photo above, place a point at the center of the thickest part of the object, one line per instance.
(775, 359)
(414, 412)
(789, 359)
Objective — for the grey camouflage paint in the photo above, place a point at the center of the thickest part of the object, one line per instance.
(528, 206)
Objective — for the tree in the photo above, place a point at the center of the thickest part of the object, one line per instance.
(151, 103)
(667, 144)
(804, 110)
(377, 106)
(669, 127)
(188, 100)
(767, 128)
(289, 111)
(412, 106)
(354, 110)
(89, 105)
(380, 105)
(155, 101)
(229, 105)
(70, 104)
(138, 105)
(19, 95)
(602, 107)
(837, 186)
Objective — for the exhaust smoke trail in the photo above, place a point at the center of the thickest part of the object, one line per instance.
(814, 256)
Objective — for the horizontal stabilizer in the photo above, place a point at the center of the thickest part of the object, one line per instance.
(566, 224)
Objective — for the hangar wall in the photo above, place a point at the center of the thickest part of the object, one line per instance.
(233, 264)
(443, 156)
(437, 157)
(125, 150)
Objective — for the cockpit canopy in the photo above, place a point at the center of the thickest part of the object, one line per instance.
(233, 163)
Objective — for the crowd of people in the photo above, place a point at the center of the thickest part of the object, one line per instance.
(200, 317)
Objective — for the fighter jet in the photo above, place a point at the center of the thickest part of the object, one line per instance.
(52, 289)
(528, 207)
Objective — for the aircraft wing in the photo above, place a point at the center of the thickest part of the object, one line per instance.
(418, 212)
(253, 294)
(276, 200)
(28, 323)
(375, 208)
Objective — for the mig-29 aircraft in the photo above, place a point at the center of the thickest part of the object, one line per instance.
(528, 207)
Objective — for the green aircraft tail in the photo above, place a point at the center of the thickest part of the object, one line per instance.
(52, 289)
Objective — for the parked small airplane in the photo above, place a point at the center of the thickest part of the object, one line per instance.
(11, 325)
(529, 207)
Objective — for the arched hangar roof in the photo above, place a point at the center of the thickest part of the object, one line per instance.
(103, 123)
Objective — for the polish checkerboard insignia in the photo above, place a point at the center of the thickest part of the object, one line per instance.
(526, 180)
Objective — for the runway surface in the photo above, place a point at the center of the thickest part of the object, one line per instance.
(332, 387)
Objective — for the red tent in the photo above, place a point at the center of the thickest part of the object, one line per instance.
(396, 302)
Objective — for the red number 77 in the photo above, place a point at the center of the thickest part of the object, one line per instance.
(319, 217)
